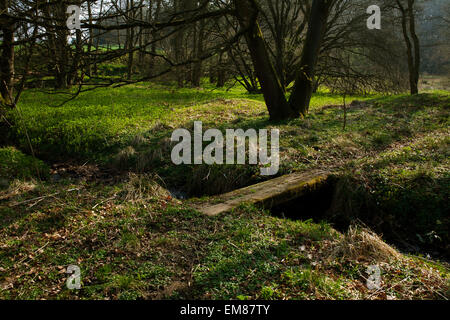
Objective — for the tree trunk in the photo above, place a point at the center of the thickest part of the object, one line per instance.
(304, 84)
(97, 41)
(178, 45)
(73, 77)
(416, 44)
(7, 55)
(91, 40)
(141, 37)
(247, 12)
(221, 78)
(58, 44)
(213, 70)
(130, 40)
(412, 47)
(154, 17)
(198, 66)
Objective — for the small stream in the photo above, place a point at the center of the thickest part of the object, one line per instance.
(178, 194)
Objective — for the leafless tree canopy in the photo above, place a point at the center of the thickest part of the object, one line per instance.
(269, 46)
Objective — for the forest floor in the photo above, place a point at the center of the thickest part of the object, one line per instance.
(99, 198)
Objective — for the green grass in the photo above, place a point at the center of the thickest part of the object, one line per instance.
(129, 127)
(15, 164)
(98, 123)
(132, 240)
(177, 253)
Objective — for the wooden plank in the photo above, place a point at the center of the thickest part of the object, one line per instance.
(266, 194)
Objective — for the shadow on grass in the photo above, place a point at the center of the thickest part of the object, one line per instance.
(241, 270)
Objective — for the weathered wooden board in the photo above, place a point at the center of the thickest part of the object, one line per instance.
(266, 194)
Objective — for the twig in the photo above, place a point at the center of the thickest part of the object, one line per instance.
(34, 257)
(109, 199)
(39, 199)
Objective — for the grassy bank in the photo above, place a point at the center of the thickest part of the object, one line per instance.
(105, 206)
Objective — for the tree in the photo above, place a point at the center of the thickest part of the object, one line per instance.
(274, 96)
(377, 61)
(284, 23)
(7, 54)
(279, 108)
(303, 88)
(407, 10)
(266, 45)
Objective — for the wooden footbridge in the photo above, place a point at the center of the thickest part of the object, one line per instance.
(266, 194)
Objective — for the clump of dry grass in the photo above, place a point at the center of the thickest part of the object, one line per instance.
(346, 145)
(146, 158)
(160, 126)
(143, 187)
(16, 188)
(138, 140)
(363, 245)
(125, 157)
(219, 179)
